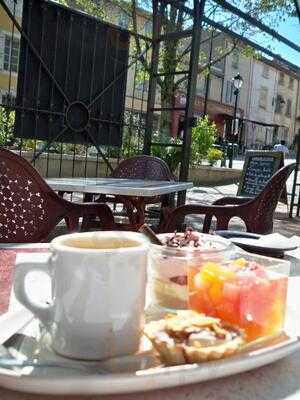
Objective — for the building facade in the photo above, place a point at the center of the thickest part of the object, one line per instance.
(9, 52)
(268, 103)
(285, 103)
(273, 104)
(259, 129)
(236, 63)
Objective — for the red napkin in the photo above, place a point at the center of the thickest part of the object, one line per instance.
(7, 265)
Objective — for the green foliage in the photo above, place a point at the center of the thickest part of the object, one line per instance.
(130, 143)
(7, 120)
(30, 144)
(133, 145)
(214, 155)
(170, 154)
(88, 6)
(203, 137)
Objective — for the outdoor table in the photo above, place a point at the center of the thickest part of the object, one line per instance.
(137, 190)
(280, 380)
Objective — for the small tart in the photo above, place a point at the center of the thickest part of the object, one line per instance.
(190, 337)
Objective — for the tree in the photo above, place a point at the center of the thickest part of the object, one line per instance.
(174, 54)
(7, 119)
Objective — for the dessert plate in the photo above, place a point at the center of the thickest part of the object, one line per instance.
(39, 370)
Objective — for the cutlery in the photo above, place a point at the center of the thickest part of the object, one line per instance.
(12, 322)
(10, 362)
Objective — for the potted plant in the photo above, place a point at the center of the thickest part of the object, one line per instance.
(214, 155)
(203, 137)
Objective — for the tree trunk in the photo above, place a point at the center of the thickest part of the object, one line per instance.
(171, 23)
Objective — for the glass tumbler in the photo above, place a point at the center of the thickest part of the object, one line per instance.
(168, 268)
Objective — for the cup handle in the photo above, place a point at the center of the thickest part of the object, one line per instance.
(41, 310)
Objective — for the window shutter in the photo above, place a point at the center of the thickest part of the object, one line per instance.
(2, 45)
(228, 91)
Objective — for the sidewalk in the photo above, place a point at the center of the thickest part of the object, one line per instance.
(207, 195)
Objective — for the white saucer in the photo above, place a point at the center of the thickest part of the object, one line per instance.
(129, 374)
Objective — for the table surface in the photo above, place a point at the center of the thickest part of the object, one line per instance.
(277, 381)
(117, 186)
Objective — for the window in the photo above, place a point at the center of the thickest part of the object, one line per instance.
(218, 66)
(291, 83)
(279, 104)
(11, 54)
(201, 85)
(15, 6)
(281, 79)
(288, 111)
(229, 92)
(141, 88)
(235, 59)
(266, 70)
(215, 90)
(148, 28)
(123, 21)
(263, 98)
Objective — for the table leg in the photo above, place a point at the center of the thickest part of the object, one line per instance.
(88, 197)
(140, 211)
(135, 209)
(61, 193)
(167, 205)
(181, 198)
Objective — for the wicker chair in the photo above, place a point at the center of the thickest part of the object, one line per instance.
(30, 209)
(140, 167)
(257, 213)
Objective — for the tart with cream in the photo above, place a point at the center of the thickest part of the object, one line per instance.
(191, 337)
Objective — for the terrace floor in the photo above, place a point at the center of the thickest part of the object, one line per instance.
(282, 223)
(207, 195)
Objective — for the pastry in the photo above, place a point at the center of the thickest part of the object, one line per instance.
(191, 337)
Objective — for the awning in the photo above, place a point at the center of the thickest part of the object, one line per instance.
(229, 116)
(263, 123)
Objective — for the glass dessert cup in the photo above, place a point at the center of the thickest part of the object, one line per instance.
(168, 267)
(241, 292)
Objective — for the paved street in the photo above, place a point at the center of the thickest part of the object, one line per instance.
(282, 223)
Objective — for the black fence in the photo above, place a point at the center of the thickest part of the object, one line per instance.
(75, 90)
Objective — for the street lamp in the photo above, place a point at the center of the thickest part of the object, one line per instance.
(237, 82)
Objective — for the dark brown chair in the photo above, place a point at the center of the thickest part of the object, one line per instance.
(139, 167)
(30, 209)
(143, 167)
(257, 213)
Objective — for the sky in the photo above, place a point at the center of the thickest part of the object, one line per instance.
(289, 29)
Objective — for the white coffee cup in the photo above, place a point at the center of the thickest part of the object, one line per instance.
(98, 286)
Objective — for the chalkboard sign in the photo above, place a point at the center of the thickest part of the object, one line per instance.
(259, 166)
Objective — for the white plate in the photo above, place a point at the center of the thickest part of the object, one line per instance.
(141, 373)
